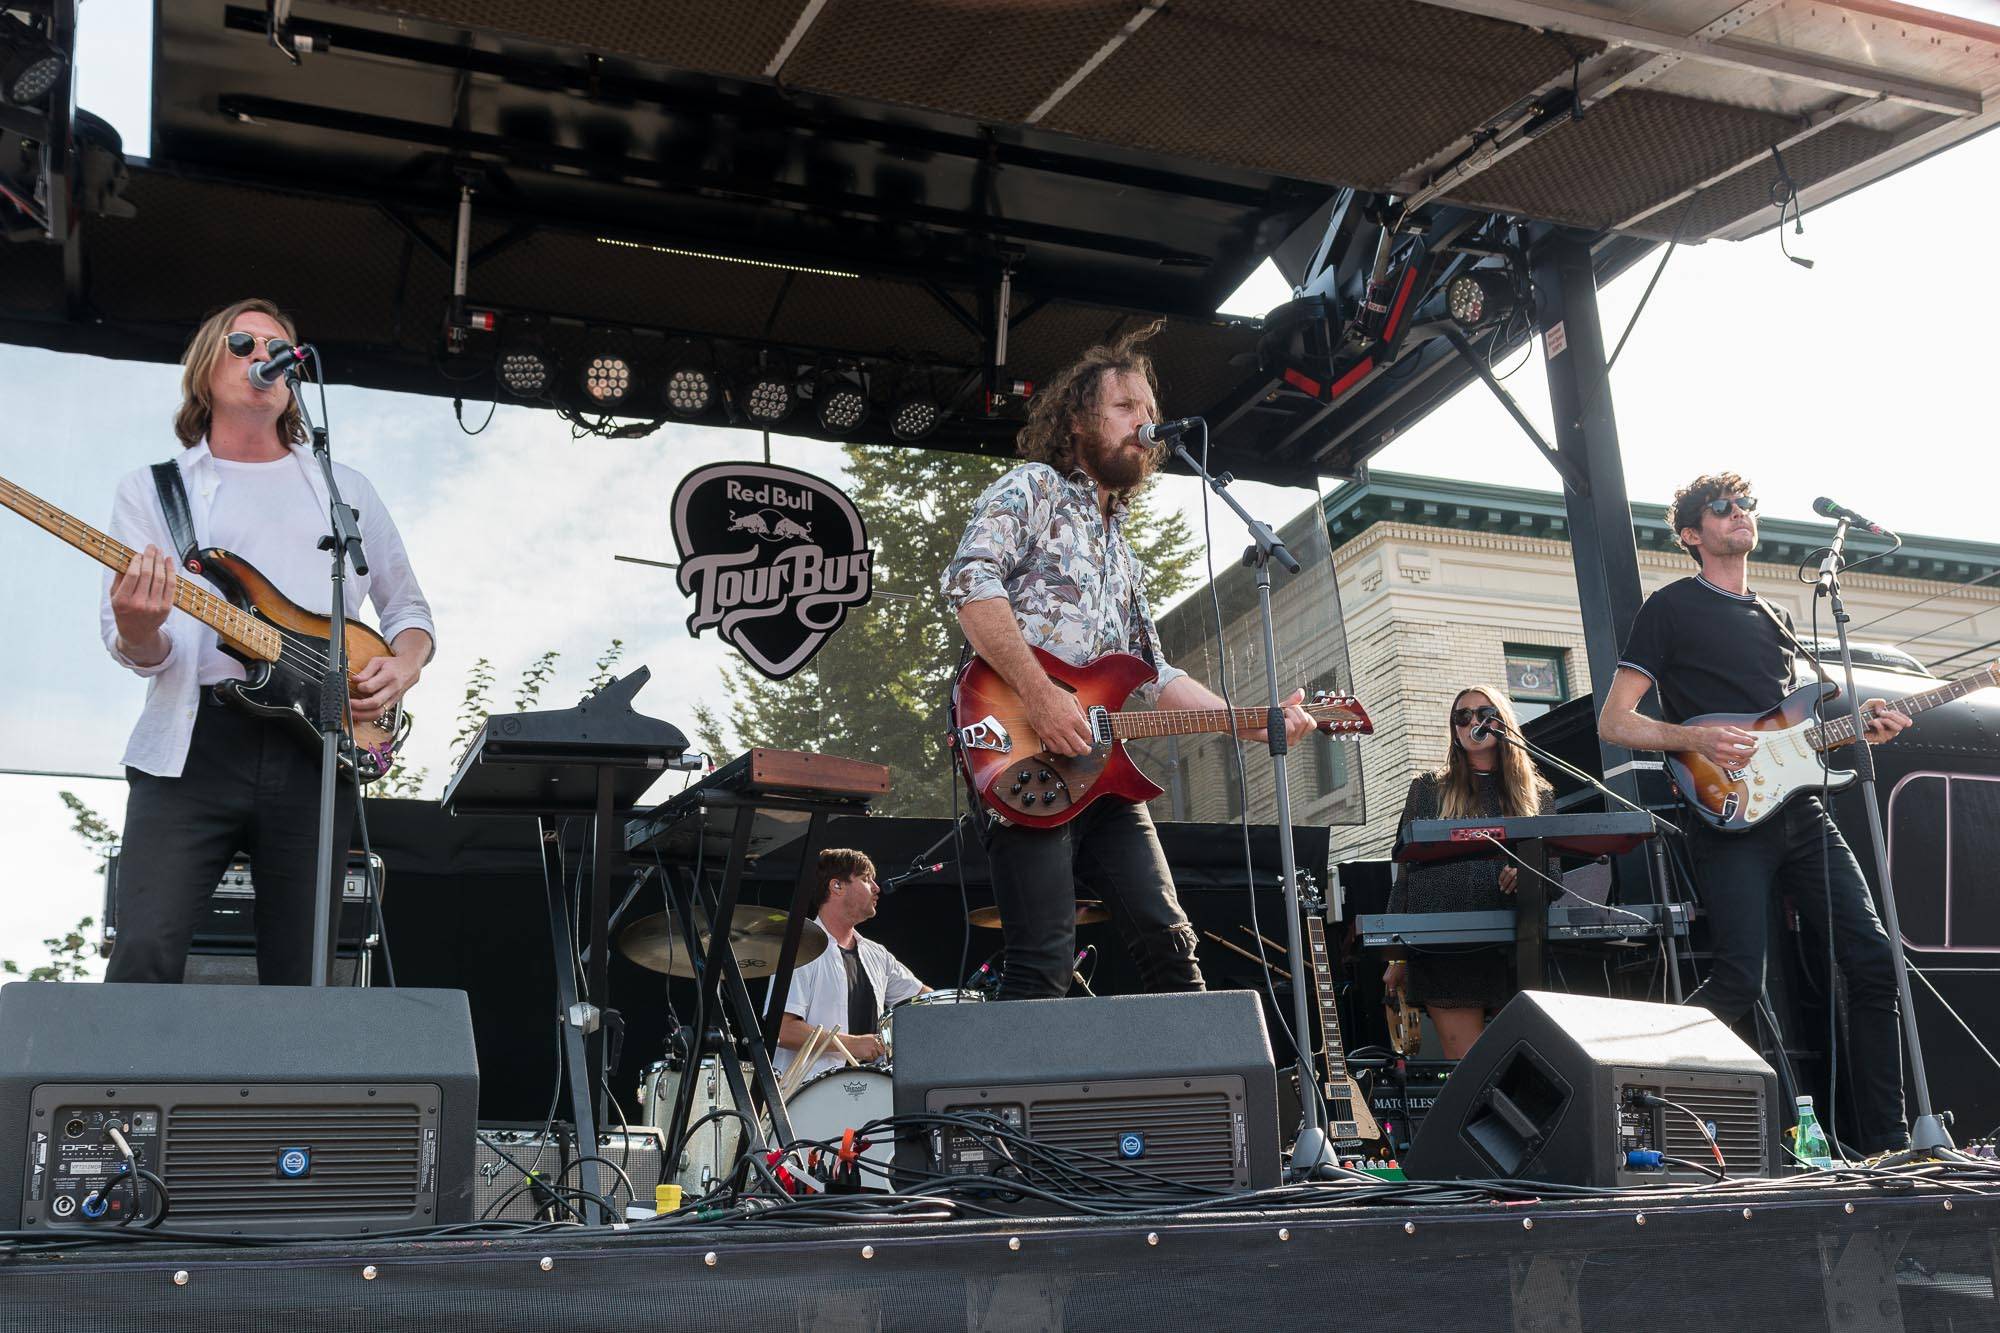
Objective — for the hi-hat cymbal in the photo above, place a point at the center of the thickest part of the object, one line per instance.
(755, 934)
(1089, 911)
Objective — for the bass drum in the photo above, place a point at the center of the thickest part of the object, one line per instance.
(712, 1150)
(928, 997)
(828, 1105)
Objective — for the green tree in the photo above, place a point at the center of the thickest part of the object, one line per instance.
(876, 690)
(67, 950)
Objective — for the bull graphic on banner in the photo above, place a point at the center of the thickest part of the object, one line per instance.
(772, 557)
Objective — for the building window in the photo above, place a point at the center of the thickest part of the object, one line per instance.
(1329, 762)
(1536, 680)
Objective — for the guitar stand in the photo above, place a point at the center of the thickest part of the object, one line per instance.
(722, 998)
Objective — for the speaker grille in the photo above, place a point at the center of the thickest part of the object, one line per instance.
(221, 1160)
(1190, 1137)
(1736, 1113)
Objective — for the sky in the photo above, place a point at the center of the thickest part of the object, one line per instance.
(1868, 378)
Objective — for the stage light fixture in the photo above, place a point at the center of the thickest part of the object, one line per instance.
(525, 369)
(607, 378)
(841, 401)
(1479, 297)
(30, 65)
(767, 396)
(689, 391)
(917, 414)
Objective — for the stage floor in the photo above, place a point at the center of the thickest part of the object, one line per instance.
(1882, 1256)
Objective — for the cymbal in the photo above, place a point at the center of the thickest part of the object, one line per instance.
(1089, 911)
(755, 934)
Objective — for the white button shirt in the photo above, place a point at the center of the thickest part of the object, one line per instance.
(819, 994)
(159, 741)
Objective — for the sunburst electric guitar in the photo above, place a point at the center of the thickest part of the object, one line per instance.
(1787, 762)
(1004, 760)
(282, 645)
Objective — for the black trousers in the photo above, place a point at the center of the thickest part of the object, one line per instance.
(248, 785)
(1802, 854)
(1113, 847)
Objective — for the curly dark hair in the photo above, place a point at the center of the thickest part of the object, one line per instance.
(1065, 404)
(837, 863)
(1685, 511)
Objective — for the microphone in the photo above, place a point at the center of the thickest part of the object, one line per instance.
(264, 374)
(983, 976)
(894, 882)
(1488, 723)
(1826, 508)
(1159, 432)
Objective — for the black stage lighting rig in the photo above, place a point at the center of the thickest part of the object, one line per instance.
(840, 401)
(526, 368)
(689, 388)
(30, 64)
(767, 394)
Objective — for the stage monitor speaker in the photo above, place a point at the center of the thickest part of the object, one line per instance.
(1562, 1087)
(267, 1110)
(1180, 1086)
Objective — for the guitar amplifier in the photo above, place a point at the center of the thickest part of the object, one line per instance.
(229, 927)
(503, 1154)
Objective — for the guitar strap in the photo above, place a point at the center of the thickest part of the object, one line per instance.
(174, 504)
(1812, 659)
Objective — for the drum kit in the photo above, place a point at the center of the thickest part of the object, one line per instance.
(822, 1108)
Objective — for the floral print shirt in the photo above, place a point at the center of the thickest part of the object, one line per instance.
(1039, 540)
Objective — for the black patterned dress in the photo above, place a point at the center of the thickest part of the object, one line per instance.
(1455, 976)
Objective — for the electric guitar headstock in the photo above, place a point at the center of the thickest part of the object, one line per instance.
(1339, 714)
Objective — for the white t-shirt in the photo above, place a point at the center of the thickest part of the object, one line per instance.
(819, 994)
(270, 515)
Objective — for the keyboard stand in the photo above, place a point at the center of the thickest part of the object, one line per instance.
(1531, 915)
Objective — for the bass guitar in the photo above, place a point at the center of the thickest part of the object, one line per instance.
(281, 645)
(1788, 758)
(1004, 760)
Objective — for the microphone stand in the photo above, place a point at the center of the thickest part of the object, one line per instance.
(1312, 1152)
(1928, 1134)
(1663, 925)
(344, 543)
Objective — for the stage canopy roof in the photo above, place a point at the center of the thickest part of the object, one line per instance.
(945, 197)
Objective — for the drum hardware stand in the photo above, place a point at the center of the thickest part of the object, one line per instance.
(1928, 1132)
(1313, 1151)
(722, 1000)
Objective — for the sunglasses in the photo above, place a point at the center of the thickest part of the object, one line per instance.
(1721, 508)
(1465, 717)
(242, 344)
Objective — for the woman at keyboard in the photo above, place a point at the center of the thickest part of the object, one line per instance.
(1482, 776)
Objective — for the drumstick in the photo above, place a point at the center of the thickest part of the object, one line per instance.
(1268, 942)
(841, 1046)
(1247, 954)
(807, 1055)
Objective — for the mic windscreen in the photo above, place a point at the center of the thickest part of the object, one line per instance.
(1826, 508)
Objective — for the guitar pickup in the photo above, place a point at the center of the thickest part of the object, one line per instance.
(1100, 726)
(986, 734)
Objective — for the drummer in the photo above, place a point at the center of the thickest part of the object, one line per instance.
(848, 988)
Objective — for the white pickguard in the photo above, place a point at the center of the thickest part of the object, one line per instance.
(1785, 763)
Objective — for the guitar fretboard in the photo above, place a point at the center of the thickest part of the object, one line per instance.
(1841, 730)
(1187, 721)
(1329, 1015)
(238, 626)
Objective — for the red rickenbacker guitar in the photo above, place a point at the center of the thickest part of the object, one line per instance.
(1790, 742)
(1005, 762)
(277, 640)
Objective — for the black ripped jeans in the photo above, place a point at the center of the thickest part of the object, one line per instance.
(1113, 848)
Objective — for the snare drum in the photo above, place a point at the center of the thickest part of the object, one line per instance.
(928, 997)
(713, 1148)
(828, 1105)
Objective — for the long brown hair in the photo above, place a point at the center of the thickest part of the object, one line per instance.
(1067, 404)
(210, 345)
(1521, 786)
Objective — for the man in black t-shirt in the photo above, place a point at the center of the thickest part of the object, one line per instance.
(1707, 644)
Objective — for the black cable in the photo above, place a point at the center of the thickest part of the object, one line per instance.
(1694, 1166)
(623, 1179)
